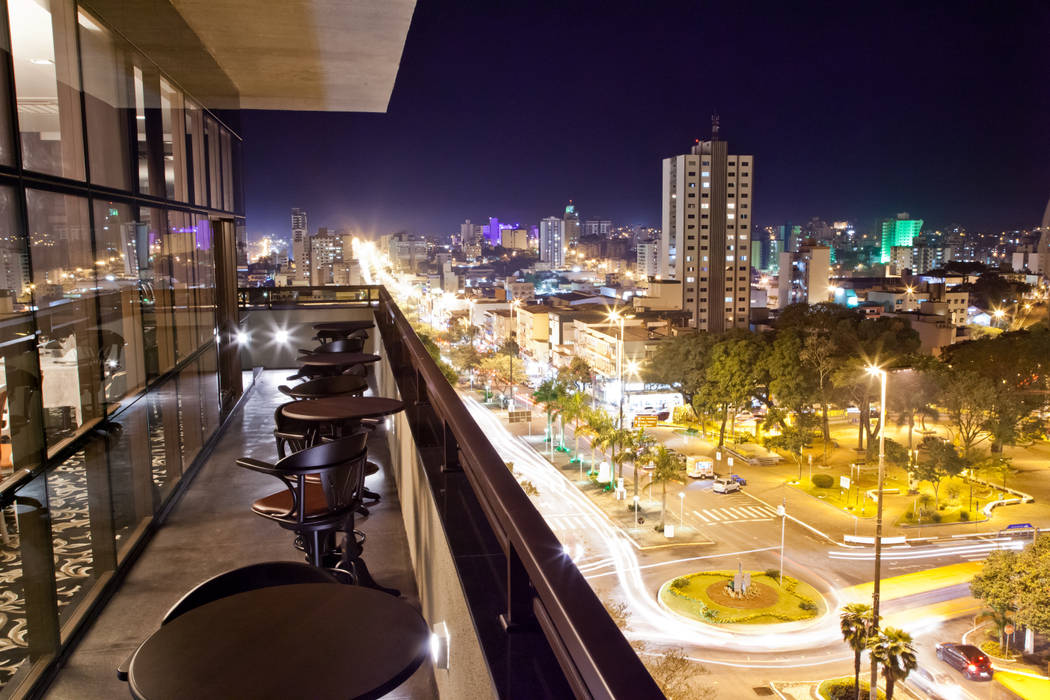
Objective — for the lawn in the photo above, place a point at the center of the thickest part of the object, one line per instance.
(692, 596)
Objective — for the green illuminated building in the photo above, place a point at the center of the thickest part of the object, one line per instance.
(898, 232)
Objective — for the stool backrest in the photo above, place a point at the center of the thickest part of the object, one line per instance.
(344, 345)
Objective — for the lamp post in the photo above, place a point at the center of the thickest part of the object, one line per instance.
(782, 512)
(881, 374)
(617, 318)
(681, 512)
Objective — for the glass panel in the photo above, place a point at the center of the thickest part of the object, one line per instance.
(120, 301)
(141, 145)
(210, 390)
(29, 624)
(180, 246)
(227, 173)
(214, 159)
(174, 144)
(47, 86)
(205, 281)
(195, 153)
(7, 150)
(81, 524)
(164, 446)
(158, 329)
(189, 414)
(108, 103)
(63, 284)
(130, 473)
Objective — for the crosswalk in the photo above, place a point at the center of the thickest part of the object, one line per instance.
(566, 522)
(735, 514)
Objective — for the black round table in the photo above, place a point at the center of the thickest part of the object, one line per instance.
(340, 385)
(315, 640)
(336, 362)
(340, 410)
(344, 326)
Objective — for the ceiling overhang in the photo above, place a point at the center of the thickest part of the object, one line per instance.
(305, 55)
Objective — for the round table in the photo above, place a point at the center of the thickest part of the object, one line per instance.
(336, 362)
(347, 326)
(329, 386)
(314, 640)
(341, 409)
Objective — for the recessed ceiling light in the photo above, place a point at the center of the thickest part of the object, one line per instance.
(42, 61)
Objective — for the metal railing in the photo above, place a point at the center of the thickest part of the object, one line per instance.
(544, 587)
(287, 297)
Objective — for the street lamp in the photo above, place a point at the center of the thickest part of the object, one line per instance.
(782, 512)
(681, 513)
(881, 374)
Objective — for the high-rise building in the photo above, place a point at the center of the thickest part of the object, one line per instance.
(707, 210)
(493, 236)
(597, 227)
(326, 251)
(648, 264)
(804, 275)
(552, 241)
(571, 225)
(898, 232)
(300, 244)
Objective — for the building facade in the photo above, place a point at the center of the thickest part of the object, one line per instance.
(648, 259)
(571, 225)
(552, 242)
(707, 211)
(804, 275)
(898, 232)
(300, 244)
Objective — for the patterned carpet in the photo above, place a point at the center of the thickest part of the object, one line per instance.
(71, 540)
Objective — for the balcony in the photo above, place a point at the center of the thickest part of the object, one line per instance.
(454, 531)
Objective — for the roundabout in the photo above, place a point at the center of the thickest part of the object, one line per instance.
(741, 598)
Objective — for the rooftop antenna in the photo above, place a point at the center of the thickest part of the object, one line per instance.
(714, 126)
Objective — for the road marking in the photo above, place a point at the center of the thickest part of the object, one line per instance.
(701, 516)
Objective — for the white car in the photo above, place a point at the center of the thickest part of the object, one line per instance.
(939, 686)
(724, 485)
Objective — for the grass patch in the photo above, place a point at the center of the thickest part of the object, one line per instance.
(951, 514)
(853, 501)
(842, 689)
(689, 596)
(992, 648)
(1026, 687)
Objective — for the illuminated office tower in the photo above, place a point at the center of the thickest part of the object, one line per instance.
(899, 232)
(552, 241)
(300, 244)
(571, 225)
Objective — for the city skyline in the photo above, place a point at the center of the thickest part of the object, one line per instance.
(955, 142)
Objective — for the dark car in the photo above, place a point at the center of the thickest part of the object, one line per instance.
(738, 479)
(973, 662)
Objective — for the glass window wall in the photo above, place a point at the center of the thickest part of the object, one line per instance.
(108, 104)
(47, 86)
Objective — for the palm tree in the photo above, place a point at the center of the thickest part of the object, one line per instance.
(596, 426)
(573, 408)
(548, 393)
(855, 622)
(667, 466)
(638, 450)
(893, 649)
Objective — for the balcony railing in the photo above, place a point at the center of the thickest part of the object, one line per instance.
(530, 604)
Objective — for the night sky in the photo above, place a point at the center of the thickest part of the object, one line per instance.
(510, 109)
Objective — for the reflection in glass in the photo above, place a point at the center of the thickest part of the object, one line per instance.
(107, 64)
(172, 122)
(198, 178)
(63, 292)
(7, 150)
(47, 86)
(158, 329)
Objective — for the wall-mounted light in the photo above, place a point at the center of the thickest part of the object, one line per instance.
(242, 338)
(281, 336)
(439, 646)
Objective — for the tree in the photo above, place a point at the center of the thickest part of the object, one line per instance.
(894, 651)
(791, 383)
(894, 453)
(855, 621)
(639, 448)
(578, 373)
(912, 392)
(573, 409)
(967, 397)
(667, 466)
(680, 361)
(731, 375)
(596, 426)
(511, 350)
(548, 394)
(818, 354)
(941, 460)
(1033, 591)
(791, 442)
(996, 586)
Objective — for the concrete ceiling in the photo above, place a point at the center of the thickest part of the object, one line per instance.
(308, 55)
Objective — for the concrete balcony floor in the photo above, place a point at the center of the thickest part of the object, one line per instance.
(212, 530)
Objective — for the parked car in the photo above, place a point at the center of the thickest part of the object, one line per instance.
(724, 484)
(738, 479)
(700, 469)
(973, 662)
(939, 686)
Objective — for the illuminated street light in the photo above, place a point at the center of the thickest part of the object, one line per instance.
(881, 374)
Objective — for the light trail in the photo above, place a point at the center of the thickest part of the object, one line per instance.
(929, 551)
